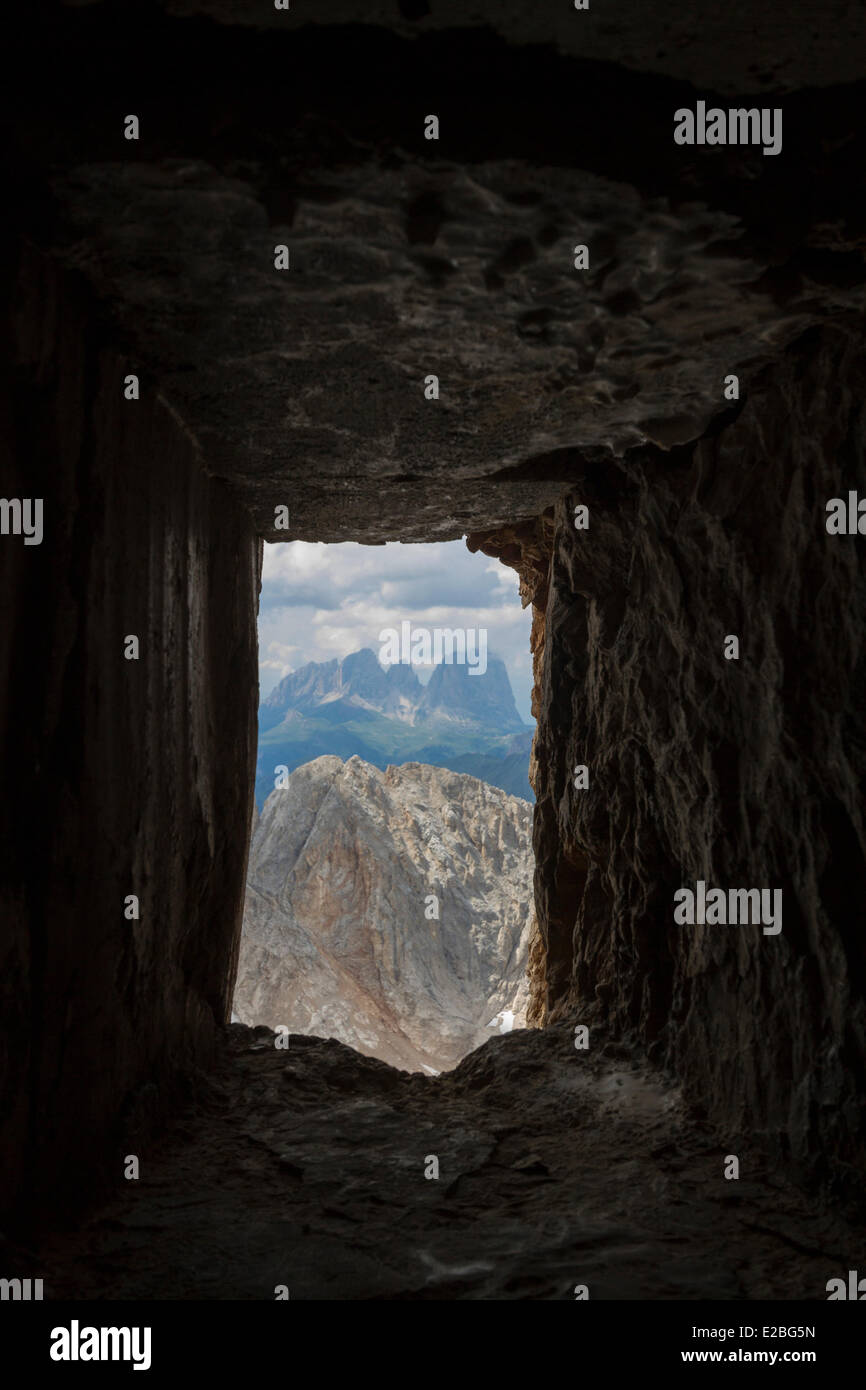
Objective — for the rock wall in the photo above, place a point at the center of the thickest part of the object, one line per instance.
(338, 940)
(603, 387)
(120, 777)
(742, 773)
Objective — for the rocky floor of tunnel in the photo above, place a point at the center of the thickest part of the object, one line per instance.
(558, 1168)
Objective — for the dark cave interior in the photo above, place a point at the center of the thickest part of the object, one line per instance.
(559, 388)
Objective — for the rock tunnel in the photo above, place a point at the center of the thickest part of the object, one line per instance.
(606, 386)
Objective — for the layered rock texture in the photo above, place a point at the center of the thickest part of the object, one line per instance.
(603, 387)
(390, 910)
(745, 773)
(75, 839)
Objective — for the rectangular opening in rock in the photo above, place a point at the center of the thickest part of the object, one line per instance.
(389, 895)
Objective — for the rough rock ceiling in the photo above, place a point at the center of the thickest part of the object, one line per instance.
(732, 47)
(306, 387)
(306, 384)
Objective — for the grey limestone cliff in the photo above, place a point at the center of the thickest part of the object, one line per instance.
(340, 937)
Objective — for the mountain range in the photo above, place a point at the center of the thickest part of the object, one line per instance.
(356, 708)
(391, 910)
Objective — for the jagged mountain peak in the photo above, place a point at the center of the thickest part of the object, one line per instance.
(385, 715)
(340, 937)
(460, 693)
(454, 692)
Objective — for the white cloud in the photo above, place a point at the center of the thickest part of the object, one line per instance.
(324, 601)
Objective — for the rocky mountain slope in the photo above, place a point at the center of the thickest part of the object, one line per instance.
(339, 935)
(355, 707)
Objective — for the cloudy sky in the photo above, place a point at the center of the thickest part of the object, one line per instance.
(324, 601)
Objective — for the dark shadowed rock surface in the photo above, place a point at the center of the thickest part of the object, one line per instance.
(743, 773)
(556, 1168)
(305, 388)
(736, 47)
(535, 359)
